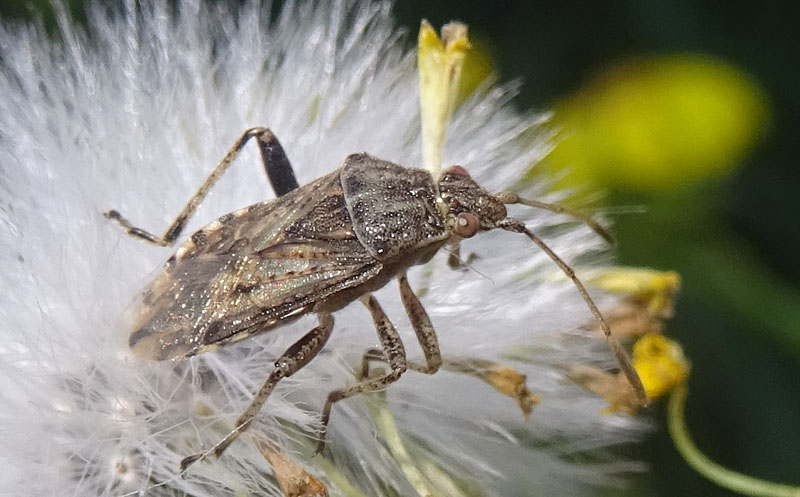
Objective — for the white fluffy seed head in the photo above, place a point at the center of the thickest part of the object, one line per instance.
(132, 117)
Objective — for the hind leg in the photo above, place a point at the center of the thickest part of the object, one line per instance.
(297, 356)
(276, 164)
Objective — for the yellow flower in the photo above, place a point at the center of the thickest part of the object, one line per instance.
(660, 363)
(658, 123)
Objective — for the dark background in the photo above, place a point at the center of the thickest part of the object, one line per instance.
(734, 240)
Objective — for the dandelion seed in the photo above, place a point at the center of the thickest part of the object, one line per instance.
(134, 115)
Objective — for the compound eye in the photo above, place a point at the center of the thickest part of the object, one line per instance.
(466, 224)
(457, 171)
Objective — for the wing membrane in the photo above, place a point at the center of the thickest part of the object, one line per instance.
(252, 270)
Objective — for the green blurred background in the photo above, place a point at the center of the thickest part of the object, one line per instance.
(691, 109)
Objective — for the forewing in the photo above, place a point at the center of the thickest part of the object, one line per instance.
(252, 270)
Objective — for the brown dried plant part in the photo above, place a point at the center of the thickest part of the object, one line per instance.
(648, 298)
(613, 387)
(503, 378)
(631, 317)
(293, 480)
(660, 363)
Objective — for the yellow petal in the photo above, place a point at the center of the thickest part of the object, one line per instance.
(655, 288)
(660, 363)
(440, 62)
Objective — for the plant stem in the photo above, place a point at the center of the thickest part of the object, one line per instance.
(723, 477)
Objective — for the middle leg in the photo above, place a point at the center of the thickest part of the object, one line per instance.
(423, 329)
(393, 352)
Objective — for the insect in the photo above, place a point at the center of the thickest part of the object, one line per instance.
(315, 249)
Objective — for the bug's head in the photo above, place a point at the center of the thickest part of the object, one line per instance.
(469, 207)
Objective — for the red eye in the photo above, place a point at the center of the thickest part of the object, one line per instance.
(466, 225)
(457, 171)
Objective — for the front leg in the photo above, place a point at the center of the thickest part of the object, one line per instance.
(393, 352)
(422, 327)
(454, 258)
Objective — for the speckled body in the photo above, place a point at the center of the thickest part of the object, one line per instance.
(317, 248)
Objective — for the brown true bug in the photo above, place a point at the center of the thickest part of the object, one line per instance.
(317, 248)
